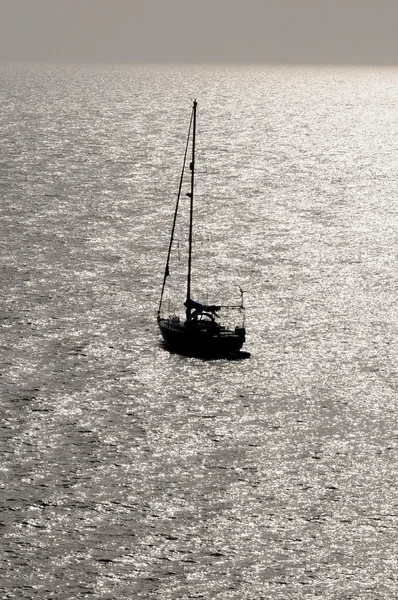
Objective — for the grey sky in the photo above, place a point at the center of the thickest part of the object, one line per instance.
(265, 31)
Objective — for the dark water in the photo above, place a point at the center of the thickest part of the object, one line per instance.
(128, 472)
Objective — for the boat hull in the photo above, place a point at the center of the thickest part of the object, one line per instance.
(193, 340)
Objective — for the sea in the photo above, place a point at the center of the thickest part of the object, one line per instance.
(130, 473)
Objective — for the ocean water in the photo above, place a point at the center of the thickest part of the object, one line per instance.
(130, 473)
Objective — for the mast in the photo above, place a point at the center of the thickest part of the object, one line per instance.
(190, 195)
(166, 271)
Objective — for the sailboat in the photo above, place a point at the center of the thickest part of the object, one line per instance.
(201, 333)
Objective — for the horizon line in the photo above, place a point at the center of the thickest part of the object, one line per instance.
(252, 63)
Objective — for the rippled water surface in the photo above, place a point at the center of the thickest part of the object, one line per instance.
(128, 472)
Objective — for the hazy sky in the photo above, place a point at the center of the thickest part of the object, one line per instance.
(269, 31)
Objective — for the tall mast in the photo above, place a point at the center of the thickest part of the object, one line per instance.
(190, 195)
(167, 272)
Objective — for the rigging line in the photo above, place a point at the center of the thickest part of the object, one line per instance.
(166, 271)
